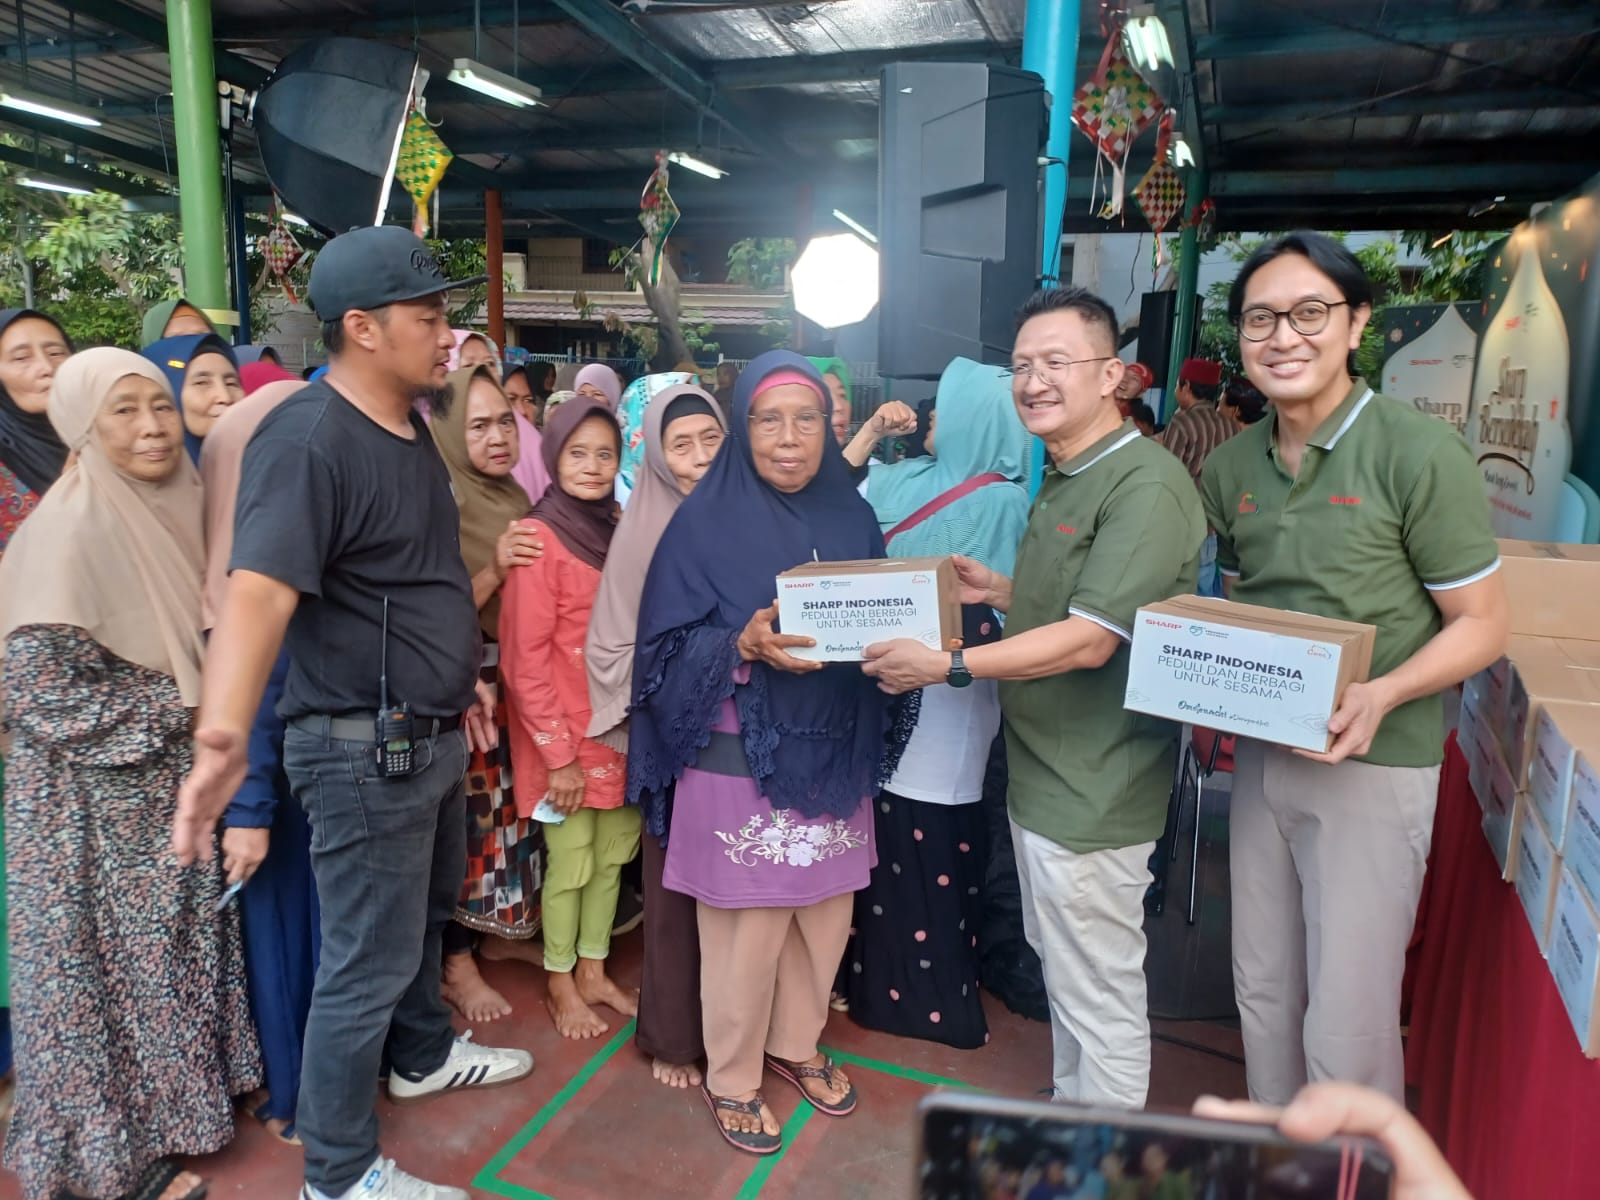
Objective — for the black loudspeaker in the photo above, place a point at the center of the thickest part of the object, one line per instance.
(1157, 311)
(958, 212)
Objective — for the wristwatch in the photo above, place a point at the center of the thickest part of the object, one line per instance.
(958, 675)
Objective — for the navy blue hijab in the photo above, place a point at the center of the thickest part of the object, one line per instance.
(173, 355)
(815, 742)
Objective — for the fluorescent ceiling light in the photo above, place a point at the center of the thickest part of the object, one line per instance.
(1442, 239)
(698, 165)
(59, 109)
(497, 85)
(1181, 152)
(846, 219)
(51, 185)
(1146, 39)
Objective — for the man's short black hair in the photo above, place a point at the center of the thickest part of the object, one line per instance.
(1207, 392)
(333, 331)
(1140, 411)
(1091, 310)
(1330, 257)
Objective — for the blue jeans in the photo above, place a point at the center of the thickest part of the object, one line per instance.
(1210, 576)
(373, 842)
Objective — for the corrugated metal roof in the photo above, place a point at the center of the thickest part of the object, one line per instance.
(1283, 93)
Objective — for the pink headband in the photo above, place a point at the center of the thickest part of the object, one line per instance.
(784, 378)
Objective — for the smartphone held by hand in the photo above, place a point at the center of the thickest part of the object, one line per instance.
(984, 1148)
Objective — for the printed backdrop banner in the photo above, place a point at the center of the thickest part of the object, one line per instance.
(1431, 350)
(1534, 410)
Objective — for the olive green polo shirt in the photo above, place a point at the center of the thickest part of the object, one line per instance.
(1388, 507)
(1116, 527)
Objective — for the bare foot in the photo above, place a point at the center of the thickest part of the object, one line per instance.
(573, 1018)
(465, 990)
(499, 949)
(675, 1076)
(737, 1122)
(596, 987)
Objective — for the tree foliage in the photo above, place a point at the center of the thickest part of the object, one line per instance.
(761, 263)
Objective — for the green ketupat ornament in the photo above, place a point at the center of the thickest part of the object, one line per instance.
(421, 165)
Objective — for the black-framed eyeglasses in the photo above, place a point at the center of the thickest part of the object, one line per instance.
(1047, 371)
(1308, 318)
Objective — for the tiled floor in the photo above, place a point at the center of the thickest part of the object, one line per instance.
(591, 1124)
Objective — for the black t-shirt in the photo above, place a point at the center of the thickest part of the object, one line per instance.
(346, 513)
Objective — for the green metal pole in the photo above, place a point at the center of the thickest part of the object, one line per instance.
(199, 137)
(1184, 314)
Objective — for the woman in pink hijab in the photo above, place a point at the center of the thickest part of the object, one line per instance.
(601, 383)
(473, 348)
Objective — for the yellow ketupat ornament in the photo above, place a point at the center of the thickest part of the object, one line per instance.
(421, 165)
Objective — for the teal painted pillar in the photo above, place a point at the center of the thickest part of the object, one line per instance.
(1185, 312)
(1050, 50)
(199, 138)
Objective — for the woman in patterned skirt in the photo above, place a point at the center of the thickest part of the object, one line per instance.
(132, 1024)
(32, 346)
(477, 437)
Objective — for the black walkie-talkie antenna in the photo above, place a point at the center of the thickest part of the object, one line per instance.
(383, 662)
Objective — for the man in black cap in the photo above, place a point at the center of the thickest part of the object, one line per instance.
(346, 538)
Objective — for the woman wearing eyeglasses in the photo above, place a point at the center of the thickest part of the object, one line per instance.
(1350, 505)
(774, 758)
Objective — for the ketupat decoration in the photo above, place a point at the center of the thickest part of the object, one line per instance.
(421, 165)
(658, 213)
(1161, 194)
(282, 250)
(1112, 109)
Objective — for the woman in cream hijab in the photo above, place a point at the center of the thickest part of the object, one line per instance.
(132, 1025)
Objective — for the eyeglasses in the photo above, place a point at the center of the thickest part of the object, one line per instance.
(1049, 370)
(1308, 318)
(807, 422)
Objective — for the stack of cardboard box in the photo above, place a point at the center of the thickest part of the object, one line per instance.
(1530, 730)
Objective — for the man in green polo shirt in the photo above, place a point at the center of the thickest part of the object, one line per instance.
(1345, 504)
(1116, 525)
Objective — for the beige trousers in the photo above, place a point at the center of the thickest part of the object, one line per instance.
(1084, 916)
(765, 975)
(1327, 866)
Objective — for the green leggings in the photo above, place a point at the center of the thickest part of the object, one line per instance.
(582, 876)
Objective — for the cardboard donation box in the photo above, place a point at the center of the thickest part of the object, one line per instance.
(1538, 873)
(1551, 586)
(848, 606)
(1549, 669)
(1563, 731)
(1575, 960)
(1262, 673)
(1502, 815)
(1582, 845)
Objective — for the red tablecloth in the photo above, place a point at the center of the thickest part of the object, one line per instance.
(1505, 1089)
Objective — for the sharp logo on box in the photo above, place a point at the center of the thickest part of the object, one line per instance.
(1160, 624)
(798, 586)
(1318, 652)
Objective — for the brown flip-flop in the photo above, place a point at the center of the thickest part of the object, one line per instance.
(762, 1143)
(797, 1073)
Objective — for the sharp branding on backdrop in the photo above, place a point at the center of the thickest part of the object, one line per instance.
(959, 210)
(1519, 372)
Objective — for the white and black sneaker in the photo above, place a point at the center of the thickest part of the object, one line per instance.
(469, 1066)
(385, 1181)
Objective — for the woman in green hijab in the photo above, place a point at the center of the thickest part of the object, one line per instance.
(173, 317)
(836, 374)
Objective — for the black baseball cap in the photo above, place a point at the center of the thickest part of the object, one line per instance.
(368, 268)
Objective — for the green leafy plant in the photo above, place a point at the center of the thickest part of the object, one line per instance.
(761, 263)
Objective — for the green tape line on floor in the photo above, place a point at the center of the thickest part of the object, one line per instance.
(488, 1178)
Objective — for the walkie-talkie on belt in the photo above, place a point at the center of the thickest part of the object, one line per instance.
(394, 724)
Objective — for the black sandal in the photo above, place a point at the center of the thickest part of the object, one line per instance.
(761, 1143)
(158, 1177)
(797, 1073)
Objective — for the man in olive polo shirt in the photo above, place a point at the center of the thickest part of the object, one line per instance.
(1116, 525)
(1351, 505)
